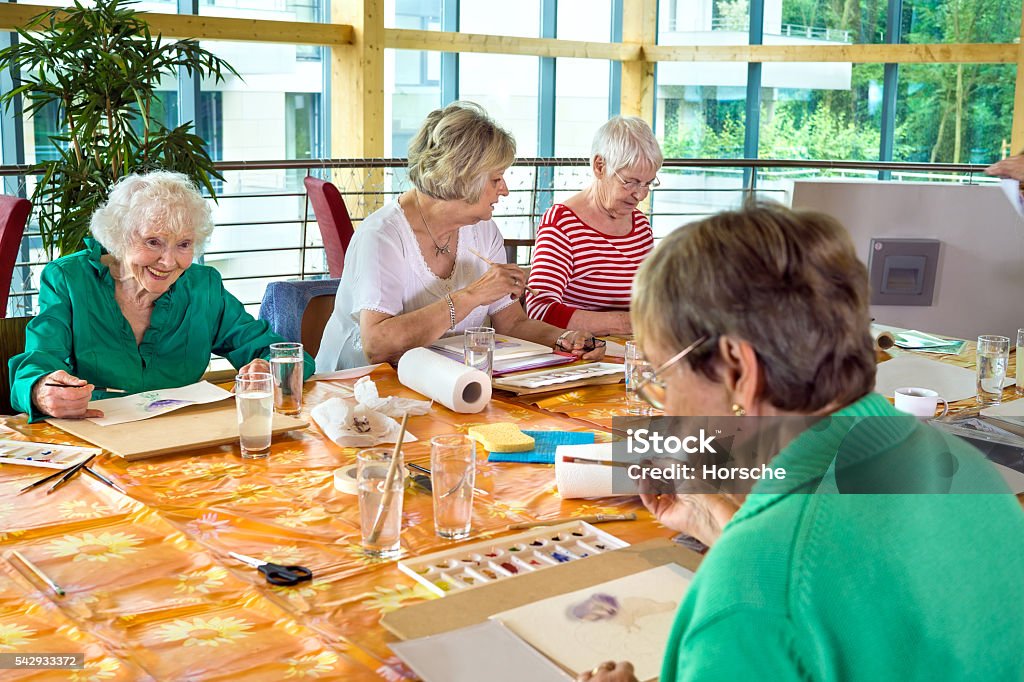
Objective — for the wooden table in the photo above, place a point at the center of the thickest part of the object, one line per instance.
(151, 592)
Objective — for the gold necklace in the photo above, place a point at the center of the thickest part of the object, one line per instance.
(437, 247)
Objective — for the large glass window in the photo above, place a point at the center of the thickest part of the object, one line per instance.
(412, 89)
(825, 21)
(521, 18)
(506, 86)
(581, 104)
(961, 21)
(584, 20)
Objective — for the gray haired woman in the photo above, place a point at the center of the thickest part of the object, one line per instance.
(589, 247)
(432, 262)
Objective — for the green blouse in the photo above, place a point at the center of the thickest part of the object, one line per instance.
(80, 329)
(830, 584)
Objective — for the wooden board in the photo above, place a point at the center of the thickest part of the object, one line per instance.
(472, 606)
(186, 429)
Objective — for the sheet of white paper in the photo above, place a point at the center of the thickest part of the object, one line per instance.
(485, 651)
(133, 408)
(615, 349)
(1013, 478)
(950, 382)
(1011, 188)
(1010, 408)
(624, 619)
(353, 373)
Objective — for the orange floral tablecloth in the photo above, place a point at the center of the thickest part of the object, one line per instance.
(152, 594)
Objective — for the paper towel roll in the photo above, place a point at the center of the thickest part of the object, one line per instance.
(585, 480)
(457, 387)
(884, 340)
(345, 479)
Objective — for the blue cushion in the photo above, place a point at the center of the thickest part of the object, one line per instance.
(284, 302)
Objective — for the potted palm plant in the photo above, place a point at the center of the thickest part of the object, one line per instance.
(99, 67)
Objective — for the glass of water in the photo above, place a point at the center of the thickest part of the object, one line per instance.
(636, 367)
(479, 344)
(254, 398)
(453, 474)
(286, 365)
(1020, 363)
(993, 359)
(380, 505)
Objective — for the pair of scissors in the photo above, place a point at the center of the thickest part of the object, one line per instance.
(276, 574)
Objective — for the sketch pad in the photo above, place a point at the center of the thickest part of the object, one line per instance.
(185, 429)
(951, 382)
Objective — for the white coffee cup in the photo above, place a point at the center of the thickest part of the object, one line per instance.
(920, 402)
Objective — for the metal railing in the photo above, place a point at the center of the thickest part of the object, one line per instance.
(266, 231)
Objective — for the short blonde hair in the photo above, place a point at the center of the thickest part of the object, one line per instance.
(787, 282)
(456, 149)
(626, 142)
(169, 200)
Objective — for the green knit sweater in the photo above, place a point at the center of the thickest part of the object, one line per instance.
(824, 584)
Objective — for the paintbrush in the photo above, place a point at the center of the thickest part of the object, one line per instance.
(56, 474)
(36, 572)
(103, 479)
(389, 483)
(106, 389)
(490, 262)
(69, 475)
(596, 518)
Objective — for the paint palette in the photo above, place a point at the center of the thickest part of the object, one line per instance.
(485, 562)
(560, 375)
(43, 454)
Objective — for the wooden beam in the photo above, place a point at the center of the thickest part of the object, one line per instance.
(639, 27)
(995, 53)
(438, 41)
(357, 92)
(1017, 134)
(211, 28)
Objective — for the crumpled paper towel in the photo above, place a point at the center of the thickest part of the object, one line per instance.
(365, 392)
(355, 425)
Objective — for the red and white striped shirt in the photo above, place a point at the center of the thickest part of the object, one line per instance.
(575, 267)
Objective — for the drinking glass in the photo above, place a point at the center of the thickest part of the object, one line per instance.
(1019, 388)
(377, 499)
(286, 365)
(993, 358)
(453, 474)
(636, 366)
(254, 398)
(479, 344)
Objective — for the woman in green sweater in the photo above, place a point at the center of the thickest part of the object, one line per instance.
(839, 571)
(132, 311)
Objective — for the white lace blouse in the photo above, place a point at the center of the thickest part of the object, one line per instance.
(385, 272)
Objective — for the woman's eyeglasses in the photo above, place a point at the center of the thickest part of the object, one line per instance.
(634, 185)
(652, 388)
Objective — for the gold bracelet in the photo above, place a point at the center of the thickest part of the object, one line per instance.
(451, 309)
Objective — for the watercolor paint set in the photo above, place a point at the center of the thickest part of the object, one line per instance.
(488, 561)
(560, 375)
(46, 455)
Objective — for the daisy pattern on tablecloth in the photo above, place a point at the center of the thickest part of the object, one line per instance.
(100, 547)
(305, 590)
(203, 582)
(249, 492)
(313, 665)
(503, 510)
(199, 631)
(83, 509)
(307, 477)
(207, 526)
(282, 554)
(297, 518)
(208, 471)
(13, 636)
(385, 599)
(103, 669)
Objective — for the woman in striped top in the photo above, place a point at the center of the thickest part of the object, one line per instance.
(589, 248)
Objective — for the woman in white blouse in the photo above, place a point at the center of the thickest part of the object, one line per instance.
(411, 275)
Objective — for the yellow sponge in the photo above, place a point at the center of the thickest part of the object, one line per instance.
(501, 437)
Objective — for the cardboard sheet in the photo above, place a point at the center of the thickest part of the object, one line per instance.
(185, 429)
(475, 605)
(950, 382)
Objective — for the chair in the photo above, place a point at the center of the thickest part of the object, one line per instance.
(12, 342)
(14, 212)
(332, 216)
(299, 310)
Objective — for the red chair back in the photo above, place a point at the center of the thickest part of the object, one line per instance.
(335, 224)
(14, 213)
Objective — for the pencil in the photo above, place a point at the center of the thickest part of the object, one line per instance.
(602, 462)
(490, 262)
(106, 389)
(50, 477)
(596, 518)
(37, 573)
(103, 479)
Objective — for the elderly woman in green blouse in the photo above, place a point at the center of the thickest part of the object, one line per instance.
(131, 311)
(837, 571)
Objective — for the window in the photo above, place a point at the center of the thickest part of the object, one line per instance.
(521, 18)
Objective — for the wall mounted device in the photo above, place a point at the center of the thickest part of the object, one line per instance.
(902, 271)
